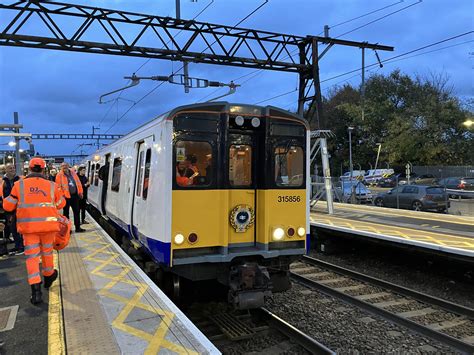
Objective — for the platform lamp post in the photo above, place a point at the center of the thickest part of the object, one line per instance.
(468, 123)
(351, 167)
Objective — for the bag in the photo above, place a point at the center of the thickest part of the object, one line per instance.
(61, 239)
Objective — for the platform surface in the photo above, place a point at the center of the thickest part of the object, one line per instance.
(442, 232)
(110, 305)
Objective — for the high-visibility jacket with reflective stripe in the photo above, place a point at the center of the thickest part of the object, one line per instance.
(36, 201)
(63, 182)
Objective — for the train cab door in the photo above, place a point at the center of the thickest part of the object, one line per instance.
(140, 193)
(241, 175)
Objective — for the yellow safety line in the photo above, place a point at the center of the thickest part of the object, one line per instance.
(56, 344)
(410, 214)
(155, 341)
(395, 230)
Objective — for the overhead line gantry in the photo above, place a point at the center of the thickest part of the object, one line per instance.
(70, 25)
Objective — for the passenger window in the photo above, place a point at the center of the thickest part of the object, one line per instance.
(410, 190)
(240, 165)
(193, 163)
(146, 179)
(140, 174)
(289, 166)
(116, 173)
(96, 175)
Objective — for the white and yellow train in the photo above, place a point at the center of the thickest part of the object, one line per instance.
(211, 191)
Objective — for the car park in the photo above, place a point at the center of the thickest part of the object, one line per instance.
(415, 197)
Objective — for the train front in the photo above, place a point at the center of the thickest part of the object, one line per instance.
(240, 197)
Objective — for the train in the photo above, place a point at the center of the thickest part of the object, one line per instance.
(210, 191)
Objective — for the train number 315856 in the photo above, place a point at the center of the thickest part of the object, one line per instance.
(289, 199)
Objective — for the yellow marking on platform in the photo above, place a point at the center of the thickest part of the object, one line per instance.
(407, 233)
(435, 227)
(404, 213)
(425, 225)
(56, 344)
(156, 340)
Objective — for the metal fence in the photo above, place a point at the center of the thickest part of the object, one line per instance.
(445, 171)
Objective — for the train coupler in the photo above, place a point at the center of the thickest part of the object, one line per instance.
(249, 284)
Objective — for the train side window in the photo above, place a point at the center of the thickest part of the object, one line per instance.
(146, 178)
(96, 175)
(240, 165)
(193, 163)
(289, 166)
(116, 173)
(140, 174)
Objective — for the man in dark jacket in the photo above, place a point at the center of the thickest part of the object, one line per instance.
(10, 227)
(85, 186)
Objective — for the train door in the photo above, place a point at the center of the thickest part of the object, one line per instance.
(140, 194)
(104, 176)
(242, 156)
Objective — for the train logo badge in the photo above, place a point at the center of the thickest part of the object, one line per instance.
(242, 218)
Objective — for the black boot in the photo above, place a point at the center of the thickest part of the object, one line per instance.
(48, 280)
(36, 293)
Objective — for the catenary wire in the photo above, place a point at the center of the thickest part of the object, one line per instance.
(389, 61)
(157, 86)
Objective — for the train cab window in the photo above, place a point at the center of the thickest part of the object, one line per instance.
(289, 166)
(116, 173)
(146, 178)
(96, 175)
(193, 163)
(240, 165)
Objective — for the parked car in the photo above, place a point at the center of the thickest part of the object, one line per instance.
(426, 179)
(415, 197)
(356, 175)
(362, 193)
(390, 181)
(458, 186)
(374, 175)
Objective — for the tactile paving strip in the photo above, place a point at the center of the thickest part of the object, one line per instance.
(142, 319)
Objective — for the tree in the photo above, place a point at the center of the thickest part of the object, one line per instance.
(417, 120)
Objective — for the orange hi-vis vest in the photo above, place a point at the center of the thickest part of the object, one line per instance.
(36, 201)
(63, 182)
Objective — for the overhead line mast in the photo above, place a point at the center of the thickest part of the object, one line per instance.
(225, 45)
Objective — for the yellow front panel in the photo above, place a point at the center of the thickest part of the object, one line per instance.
(200, 212)
(280, 208)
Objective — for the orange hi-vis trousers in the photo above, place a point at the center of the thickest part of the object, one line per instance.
(36, 245)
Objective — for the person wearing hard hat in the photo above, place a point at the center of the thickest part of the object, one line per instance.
(37, 201)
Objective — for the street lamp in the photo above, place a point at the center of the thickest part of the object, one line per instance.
(351, 167)
(468, 123)
(12, 144)
(378, 154)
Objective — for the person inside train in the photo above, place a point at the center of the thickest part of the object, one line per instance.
(181, 174)
(191, 166)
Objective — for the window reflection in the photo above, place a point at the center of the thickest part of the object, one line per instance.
(289, 166)
(240, 165)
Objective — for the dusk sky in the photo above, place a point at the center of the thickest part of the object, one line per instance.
(58, 92)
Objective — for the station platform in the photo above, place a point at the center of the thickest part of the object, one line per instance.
(447, 234)
(102, 303)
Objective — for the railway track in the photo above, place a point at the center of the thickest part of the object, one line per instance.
(440, 320)
(224, 327)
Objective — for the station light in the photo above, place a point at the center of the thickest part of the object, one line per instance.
(178, 239)
(278, 234)
(12, 143)
(301, 231)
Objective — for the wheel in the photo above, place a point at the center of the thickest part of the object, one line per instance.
(378, 202)
(443, 210)
(417, 206)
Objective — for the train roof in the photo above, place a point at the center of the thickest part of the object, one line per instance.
(218, 106)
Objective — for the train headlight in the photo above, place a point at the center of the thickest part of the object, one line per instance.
(278, 234)
(301, 231)
(255, 122)
(239, 121)
(178, 239)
